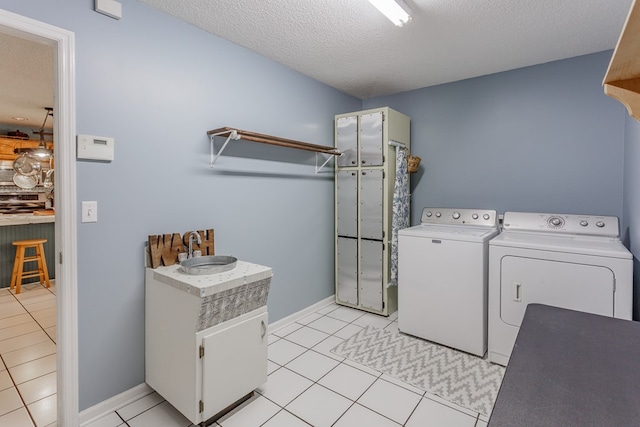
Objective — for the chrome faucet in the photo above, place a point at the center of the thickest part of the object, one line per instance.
(199, 240)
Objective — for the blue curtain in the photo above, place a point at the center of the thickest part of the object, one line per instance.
(400, 218)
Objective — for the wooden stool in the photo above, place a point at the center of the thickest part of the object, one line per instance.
(18, 264)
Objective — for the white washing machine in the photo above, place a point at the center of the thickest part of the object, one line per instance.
(570, 261)
(442, 277)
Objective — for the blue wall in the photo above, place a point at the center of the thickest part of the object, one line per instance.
(157, 85)
(541, 139)
(632, 201)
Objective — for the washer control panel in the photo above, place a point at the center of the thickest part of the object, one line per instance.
(594, 225)
(452, 216)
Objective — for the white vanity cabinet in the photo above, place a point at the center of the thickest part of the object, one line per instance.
(206, 337)
(364, 183)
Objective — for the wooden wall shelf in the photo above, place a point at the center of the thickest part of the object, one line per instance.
(233, 133)
(276, 140)
(622, 80)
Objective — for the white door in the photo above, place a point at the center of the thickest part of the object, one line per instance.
(235, 363)
(568, 285)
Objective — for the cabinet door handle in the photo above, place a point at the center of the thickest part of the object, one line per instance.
(264, 328)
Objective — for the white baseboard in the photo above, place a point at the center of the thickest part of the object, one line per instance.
(301, 314)
(103, 409)
(121, 400)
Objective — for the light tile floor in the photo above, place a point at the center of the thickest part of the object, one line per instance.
(28, 356)
(310, 386)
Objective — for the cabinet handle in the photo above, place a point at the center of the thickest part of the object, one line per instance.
(363, 162)
(264, 328)
(353, 162)
(364, 173)
(353, 174)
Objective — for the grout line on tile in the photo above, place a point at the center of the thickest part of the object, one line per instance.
(146, 410)
(26, 407)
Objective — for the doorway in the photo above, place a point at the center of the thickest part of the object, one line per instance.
(63, 44)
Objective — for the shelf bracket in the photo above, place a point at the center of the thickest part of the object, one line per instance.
(318, 169)
(233, 134)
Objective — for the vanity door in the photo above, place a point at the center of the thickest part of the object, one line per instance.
(235, 363)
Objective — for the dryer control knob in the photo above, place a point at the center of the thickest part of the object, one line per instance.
(584, 223)
(456, 215)
(486, 216)
(474, 216)
(600, 224)
(428, 214)
(438, 214)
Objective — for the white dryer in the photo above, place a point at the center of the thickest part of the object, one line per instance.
(442, 277)
(570, 261)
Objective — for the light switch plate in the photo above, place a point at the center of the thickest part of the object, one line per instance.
(89, 211)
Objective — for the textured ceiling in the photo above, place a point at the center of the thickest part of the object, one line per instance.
(349, 45)
(26, 81)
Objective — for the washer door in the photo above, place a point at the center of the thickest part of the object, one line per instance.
(574, 286)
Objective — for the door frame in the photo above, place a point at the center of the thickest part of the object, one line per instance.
(63, 43)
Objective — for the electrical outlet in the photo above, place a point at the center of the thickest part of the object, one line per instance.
(89, 211)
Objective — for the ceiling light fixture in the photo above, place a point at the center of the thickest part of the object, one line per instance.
(395, 10)
(42, 152)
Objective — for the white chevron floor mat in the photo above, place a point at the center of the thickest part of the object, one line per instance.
(458, 377)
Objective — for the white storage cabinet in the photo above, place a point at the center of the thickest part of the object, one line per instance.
(364, 181)
(201, 370)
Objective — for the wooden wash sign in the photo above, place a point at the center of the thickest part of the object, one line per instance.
(164, 249)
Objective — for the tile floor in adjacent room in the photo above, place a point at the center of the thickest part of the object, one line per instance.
(310, 386)
(28, 357)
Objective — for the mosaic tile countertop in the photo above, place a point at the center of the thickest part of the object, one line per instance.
(211, 284)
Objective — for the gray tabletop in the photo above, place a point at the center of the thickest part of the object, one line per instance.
(570, 368)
